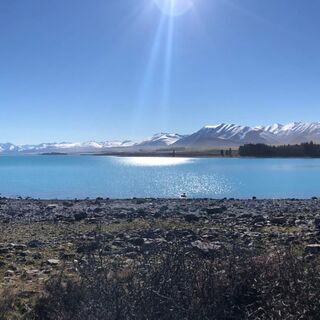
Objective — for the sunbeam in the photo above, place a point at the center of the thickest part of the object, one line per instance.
(174, 7)
(167, 67)
(161, 55)
(149, 72)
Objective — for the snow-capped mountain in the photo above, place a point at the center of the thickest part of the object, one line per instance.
(235, 135)
(64, 147)
(160, 140)
(221, 135)
(298, 132)
(8, 147)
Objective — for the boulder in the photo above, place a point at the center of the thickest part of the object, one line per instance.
(312, 249)
(80, 216)
(278, 221)
(9, 273)
(137, 241)
(18, 246)
(205, 247)
(53, 262)
(35, 243)
(258, 218)
(52, 206)
(216, 209)
(317, 222)
(190, 217)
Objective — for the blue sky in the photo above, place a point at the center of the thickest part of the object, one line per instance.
(78, 70)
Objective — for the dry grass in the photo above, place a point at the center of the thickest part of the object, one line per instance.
(174, 283)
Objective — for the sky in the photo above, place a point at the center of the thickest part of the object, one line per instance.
(81, 70)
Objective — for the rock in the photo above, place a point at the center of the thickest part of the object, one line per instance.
(80, 216)
(245, 215)
(52, 206)
(205, 247)
(86, 248)
(67, 204)
(141, 213)
(121, 215)
(317, 222)
(149, 245)
(23, 253)
(37, 255)
(9, 273)
(53, 262)
(18, 246)
(278, 220)
(35, 243)
(58, 217)
(29, 274)
(312, 249)
(117, 243)
(137, 241)
(258, 218)
(216, 210)
(4, 250)
(131, 255)
(190, 217)
(13, 267)
(140, 201)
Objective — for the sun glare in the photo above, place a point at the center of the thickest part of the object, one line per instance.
(161, 53)
(174, 7)
(153, 161)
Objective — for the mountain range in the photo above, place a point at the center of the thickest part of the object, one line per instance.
(221, 135)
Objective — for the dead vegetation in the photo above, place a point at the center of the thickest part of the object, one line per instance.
(174, 283)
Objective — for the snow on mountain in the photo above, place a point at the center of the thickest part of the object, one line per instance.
(160, 140)
(235, 135)
(297, 132)
(221, 135)
(7, 147)
(274, 128)
(64, 147)
(118, 144)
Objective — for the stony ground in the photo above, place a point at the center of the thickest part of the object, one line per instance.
(38, 238)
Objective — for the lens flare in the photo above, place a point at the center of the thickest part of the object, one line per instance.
(174, 7)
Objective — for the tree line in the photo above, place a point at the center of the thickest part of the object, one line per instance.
(308, 149)
(226, 153)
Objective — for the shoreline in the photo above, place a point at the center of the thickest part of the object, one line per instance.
(41, 238)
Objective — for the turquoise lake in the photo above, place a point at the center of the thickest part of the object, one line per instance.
(114, 177)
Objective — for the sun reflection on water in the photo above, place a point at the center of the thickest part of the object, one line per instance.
(154, 161)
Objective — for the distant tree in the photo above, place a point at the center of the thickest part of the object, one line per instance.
(298, 150)
(222, 153)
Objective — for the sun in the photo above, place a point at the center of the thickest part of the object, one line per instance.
(174, 7)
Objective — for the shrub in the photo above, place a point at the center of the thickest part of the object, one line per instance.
(176, 283)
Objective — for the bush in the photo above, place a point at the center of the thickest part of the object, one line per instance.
(176, 283)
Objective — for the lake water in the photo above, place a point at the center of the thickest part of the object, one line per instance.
(93, 176)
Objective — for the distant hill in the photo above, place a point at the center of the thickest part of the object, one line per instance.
(160, 140)
(236, 135)
(213, 136)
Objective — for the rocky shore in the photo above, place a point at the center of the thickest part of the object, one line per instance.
(40, 237)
